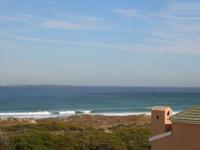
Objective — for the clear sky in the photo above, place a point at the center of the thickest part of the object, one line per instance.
(100, 42)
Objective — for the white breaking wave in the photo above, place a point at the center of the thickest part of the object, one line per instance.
(25, 113)
(87, 111)
(74, 112)
(175, 112)
(83, 112)
(47, 114)
(67, 112)
(42, 114)
(128, 113)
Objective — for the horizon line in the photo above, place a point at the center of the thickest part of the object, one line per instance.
(65, 85)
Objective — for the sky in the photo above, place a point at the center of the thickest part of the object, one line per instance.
(100, 42)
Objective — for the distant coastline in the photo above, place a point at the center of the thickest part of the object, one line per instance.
(111, 86)
(146, 88)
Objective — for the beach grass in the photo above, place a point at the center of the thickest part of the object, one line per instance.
(103, 133)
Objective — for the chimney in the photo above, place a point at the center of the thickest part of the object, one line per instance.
(160, 122)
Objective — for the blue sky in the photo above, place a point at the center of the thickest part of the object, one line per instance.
(100, 42)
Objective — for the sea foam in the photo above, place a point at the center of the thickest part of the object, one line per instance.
(41, 114)
(67, 112)
(25, 113)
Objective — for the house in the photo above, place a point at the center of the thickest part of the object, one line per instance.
(175, 132)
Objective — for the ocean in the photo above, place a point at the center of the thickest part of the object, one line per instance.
(59, 101)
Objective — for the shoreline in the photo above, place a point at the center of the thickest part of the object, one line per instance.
(63, 114)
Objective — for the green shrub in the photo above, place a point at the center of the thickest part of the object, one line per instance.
(4, 143)
(57, 135)
(136, 138)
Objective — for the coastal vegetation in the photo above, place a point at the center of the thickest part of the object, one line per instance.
(75, 134)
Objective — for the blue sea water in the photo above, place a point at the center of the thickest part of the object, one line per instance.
(55, 101)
